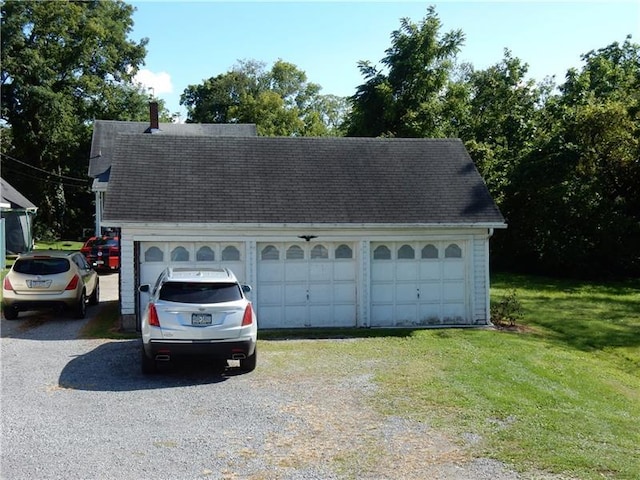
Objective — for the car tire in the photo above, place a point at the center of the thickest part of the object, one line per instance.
(95, 296)
(249, 364)
(10, 313)
(148, 365)
(81, 307)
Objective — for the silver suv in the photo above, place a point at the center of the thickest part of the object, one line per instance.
(198, 312)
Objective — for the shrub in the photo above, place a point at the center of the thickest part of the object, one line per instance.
(507, 311)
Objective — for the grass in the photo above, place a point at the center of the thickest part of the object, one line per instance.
(106, 324)
(561, 394)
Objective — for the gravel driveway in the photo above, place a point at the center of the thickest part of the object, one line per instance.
(81, 409)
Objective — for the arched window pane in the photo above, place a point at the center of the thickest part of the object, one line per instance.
(430, 251)
(230, 254)
(205, 254)
(153, 254)
(294, 252)
(270, 253)
(453, 251)
(179, 254)
(382, 253)
(344, 251)
(319, 251)
(406, 252)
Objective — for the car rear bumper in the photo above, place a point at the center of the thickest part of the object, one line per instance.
(25, 305)
(241, 348)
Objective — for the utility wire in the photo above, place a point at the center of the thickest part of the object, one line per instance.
(46, 180)
(41, 170)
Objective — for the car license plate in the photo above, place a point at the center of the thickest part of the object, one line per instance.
(201, 319)
(38, 283)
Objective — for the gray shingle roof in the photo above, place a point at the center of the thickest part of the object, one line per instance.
(13, 197)
(295, 180)
(105, 132)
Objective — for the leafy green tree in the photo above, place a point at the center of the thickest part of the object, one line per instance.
(575, 201)
(502, 122)
(408, 97)
(280, 101)
(64, 64)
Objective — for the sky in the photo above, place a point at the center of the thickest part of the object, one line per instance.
(190, 41)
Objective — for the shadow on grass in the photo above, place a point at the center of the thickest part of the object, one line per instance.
(584, 315)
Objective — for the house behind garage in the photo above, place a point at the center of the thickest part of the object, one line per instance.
(330, 232)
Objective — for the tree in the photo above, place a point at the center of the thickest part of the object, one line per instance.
(574, 201)
(409, 97)
(280, 101)
(63, 64)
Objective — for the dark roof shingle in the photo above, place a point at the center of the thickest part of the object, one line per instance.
(295, 180)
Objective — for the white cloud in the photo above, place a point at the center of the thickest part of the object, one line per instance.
(160, 82)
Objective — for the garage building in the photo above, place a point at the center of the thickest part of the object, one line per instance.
(330, 232)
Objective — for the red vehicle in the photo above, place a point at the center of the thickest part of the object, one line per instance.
(103, 253)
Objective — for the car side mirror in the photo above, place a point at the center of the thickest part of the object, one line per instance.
(144, 288)
(246, 288)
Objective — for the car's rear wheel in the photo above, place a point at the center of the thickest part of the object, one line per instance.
(95, 296)
(10, 313)
(81, 306)
(249, 364)
(147, 364)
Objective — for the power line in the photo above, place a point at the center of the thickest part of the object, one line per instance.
(42, 170)
(46, 180)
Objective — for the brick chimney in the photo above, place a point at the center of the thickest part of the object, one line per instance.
(153, 116)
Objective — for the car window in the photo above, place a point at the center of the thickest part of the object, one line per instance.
(197, 292)
(41, 266)
(106, 242)
(81, 262)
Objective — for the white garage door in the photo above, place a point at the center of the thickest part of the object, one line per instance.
(420, 283)
(306, 285)
(156, 256)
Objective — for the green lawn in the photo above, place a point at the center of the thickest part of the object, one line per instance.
(560, 394)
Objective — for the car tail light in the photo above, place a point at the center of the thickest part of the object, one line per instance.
(153, 316)
(7, 284)
(248, 316)
(73, 284)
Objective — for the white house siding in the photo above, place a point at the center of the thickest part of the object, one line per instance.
(357, 291)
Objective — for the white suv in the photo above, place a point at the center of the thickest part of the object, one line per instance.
(198, 312)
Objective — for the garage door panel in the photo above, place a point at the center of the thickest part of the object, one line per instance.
(237, 268)
(320, 271)
(344, 271)
(453, 291)
(382, 293)
(429, 313)
(430, 270)
(295, 316)
(415, 291)
(321, 293)
(270, 294)
(405, 314)
(430, 292)
(318, 285)
(406, 271)
(406, 293)
(344, 293)
(270, 272)
(382, 271)
(344, 315)
(382, 316)
(295, 294)
(453, 312)
(453, 271)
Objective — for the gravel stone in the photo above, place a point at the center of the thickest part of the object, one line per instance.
(78, 409)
